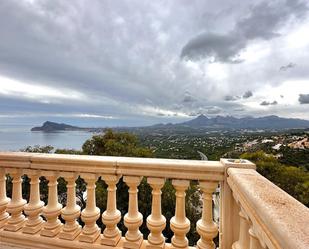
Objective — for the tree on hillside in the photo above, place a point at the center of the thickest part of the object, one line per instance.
(39, 149)
(115, 144)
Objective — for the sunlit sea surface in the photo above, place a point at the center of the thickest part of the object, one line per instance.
(16, 137)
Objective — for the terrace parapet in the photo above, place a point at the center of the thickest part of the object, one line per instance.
(253, 212)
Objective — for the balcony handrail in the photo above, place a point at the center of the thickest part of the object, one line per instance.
(254, 213)
(154, 167)
(19, 218)
(276, 218)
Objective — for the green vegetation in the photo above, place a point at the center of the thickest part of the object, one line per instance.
(39, 149)
(186, 146)
(297, 157)
(115, 144)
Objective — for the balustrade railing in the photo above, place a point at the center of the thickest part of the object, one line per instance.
(267, 216)
(243, 223)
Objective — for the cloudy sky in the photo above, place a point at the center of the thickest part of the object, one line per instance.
(142, 62)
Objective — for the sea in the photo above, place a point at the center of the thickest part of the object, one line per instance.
(15, 137)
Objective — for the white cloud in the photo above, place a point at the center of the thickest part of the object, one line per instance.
(86, 115)
(57, 115)
(298, 38)
(41, 93)
(289, 89)
(156, 111)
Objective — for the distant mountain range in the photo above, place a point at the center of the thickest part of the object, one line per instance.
(202, 122)
(267, 122)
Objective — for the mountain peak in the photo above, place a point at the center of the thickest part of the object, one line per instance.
(53, 126)
(200, 120)
(201, 116)
(49, 123)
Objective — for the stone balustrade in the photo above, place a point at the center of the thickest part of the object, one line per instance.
(253, 212)
(267, 216)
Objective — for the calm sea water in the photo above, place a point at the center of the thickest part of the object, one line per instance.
(17, 137)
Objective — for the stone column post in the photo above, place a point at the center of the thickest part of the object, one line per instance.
(156, 222)
(71, 212)
(52, 210)
(91, 213)
(180, 225)
(111, 216)
(17, 204)
(133, 219)
(206, 227)
(243, 241)
(35, 206)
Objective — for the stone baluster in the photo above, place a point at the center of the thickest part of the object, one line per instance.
(4, 215)
(91, 213)
(35, 206)
(51, 212)
(16, 205)
(243, 239)
(206, 227)
(71, 212)
(133, 219)
(180, 225)
(156, 222)
(254, 241)
(111, 217)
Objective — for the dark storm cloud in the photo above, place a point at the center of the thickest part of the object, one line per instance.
(213, 110)
(303, 98)
(220, 47)
(268, 17)
(263, 22)
(231, 98)
(188, 98)
(247, 94)
(287, 67)
(267, 103)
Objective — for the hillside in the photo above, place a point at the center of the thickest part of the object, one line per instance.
(226, 122)
(199, 123)
(52, 126)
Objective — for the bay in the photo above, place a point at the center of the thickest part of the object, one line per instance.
(15, 137)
